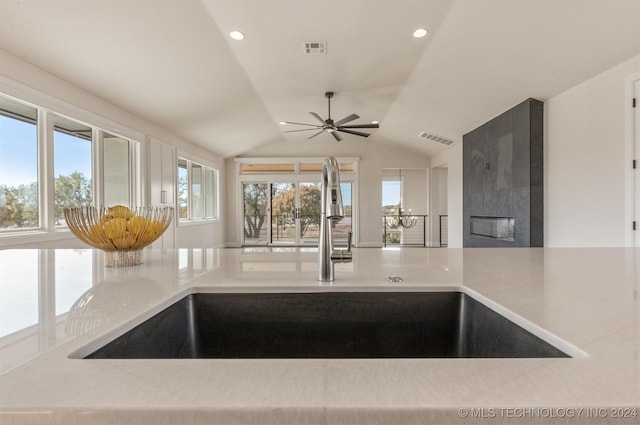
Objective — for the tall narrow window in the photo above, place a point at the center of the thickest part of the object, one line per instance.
(18, 166)
(72, 166)
(391, 192)
(211, 181)
(117, 179)
(183, 189)
(196, 191)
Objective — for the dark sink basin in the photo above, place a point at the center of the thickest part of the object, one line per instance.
(327, 325)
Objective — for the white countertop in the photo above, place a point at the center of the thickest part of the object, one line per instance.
(54, 302)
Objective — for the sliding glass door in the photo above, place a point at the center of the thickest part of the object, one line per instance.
(288, 214)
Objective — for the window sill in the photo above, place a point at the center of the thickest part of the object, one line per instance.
(29, 237)
(186, 223)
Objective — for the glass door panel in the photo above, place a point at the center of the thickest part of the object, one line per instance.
(255, 213)
(342, 227)
(309, 213)
(283, 214)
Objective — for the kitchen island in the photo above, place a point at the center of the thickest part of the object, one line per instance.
(58, 304)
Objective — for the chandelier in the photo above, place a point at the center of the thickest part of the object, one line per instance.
(401, 220)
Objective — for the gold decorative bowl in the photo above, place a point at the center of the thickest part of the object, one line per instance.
(119, 231)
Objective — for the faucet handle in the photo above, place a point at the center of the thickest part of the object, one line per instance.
(343, 255)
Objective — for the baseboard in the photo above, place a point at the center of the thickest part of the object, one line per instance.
(370, 245)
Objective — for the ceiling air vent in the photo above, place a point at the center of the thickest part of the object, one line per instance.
(436, 138)
(315, 47)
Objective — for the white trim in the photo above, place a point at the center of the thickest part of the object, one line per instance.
(291, 160)
(46, 177)
(197, 159)
(631, 152)
(370, 245)
(636, 153)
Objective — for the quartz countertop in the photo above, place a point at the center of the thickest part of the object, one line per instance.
(54, 303)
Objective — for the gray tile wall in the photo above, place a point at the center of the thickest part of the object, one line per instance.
(503, 175)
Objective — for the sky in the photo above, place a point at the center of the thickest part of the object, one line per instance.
(390, 192)
(18, 153)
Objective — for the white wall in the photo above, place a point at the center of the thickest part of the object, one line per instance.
(439, 201)
(451, 159)
(34, 85)
(588, 161)
(415, 191)
(374, 157)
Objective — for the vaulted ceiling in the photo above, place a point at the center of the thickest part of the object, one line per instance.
(173, 63)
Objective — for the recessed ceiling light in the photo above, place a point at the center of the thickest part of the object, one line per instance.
(375, 122)
(420, 32)
(236, 35)
(283, 123)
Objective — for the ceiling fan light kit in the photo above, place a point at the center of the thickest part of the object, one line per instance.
(331, 127)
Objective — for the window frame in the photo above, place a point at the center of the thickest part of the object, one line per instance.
(204, 166)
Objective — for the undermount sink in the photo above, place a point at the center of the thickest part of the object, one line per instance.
(448, 324)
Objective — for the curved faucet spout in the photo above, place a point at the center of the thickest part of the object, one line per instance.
(331, 208)
(331, 194)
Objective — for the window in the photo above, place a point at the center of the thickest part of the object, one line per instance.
(391, 190)
(72, 166)
(211, 202)
(49, 162)
(117, 181)
(19, 190)
(197, 191)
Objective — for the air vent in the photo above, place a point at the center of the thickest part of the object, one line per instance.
(436, 138)
(315, 47)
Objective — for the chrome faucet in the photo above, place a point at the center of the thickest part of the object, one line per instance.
(331, 208)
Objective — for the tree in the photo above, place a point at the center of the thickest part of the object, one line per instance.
(284, 203)
(255, 208)
(310, 198)
(73, 190)
(182, 197)
(19, 206)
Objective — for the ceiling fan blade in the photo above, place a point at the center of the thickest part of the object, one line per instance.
(316, 116)
(360, 126)
(336, 136)
(357, 133)
(304, 129)
(312, 136)
(347, 119)
(300, 123)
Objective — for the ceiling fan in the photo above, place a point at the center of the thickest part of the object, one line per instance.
(332, 127)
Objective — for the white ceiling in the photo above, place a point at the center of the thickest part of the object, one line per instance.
(173, 63)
